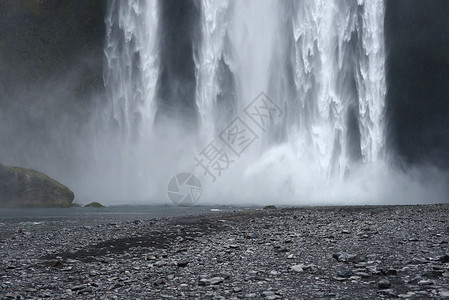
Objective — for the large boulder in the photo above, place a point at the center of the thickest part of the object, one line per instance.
(21, 187)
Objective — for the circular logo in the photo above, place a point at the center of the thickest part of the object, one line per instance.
(184, 189)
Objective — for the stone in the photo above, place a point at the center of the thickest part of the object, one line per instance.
(160, 281)
(444, 294)
(269, 207)
(270, 295)
(346, 257)
(94, 205)
(362, 274)
(432, 273)
(160, 263)
(415, 280)
(281, 249)
(182, 263)
(338, 278)
(425, 282)
(204, 281)
(58, 264)
(298, 268)
(216, 280)
(384, 284)
(345, 273)
(389, 271)
(77, 287)
(444, 258)
(388, 292)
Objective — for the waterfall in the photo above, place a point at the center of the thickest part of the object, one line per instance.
(339, 79)
(371, 81)
(321, 62)
(131, 70)
(131, 67)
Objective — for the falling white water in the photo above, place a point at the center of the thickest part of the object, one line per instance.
(215, 20)
(371, 81)
(336, 43)
(321, 61)
(130, 74)
(239, 35)
(131, 68)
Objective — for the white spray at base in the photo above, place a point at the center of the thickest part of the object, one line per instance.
(321, 62)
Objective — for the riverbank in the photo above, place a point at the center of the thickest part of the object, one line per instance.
(292, 253)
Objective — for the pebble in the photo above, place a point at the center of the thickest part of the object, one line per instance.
(444, 258)
(216, 280)
(182, 263)
(425, 282)
(298, 268)
(160, 263)
(345, 273)
(362, 274)
(346, 257)
(242, 256)
(384, 284)
(444, 293)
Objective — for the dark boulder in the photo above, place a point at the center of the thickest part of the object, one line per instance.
(94, 205)
(21, 187)
(268, 207)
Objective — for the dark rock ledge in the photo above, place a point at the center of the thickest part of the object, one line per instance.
(21, 187)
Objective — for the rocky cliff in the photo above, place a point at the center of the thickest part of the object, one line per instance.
(21, 187)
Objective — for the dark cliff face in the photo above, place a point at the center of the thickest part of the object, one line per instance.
(179, 33)
(40, 39)
(51, 56)
(417, 37)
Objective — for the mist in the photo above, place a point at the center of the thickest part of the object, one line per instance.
(161, 81)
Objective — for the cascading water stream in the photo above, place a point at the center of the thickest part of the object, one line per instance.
(339, 74)
(321, 62)
(130, 76)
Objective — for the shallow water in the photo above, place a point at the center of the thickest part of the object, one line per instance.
(120, 212)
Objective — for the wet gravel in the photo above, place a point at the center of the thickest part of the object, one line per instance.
(292, 253)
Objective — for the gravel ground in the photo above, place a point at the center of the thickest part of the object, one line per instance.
(374, 252)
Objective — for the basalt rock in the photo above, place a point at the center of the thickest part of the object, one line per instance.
(94, 205)
(21, 187)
